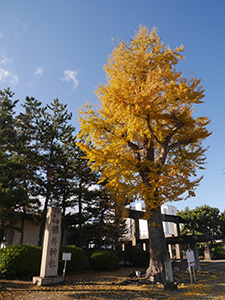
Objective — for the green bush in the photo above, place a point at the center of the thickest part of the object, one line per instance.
(104, 260)
(137, 257)
(20, 259)
(201, 248)
(78, 259)
(218, 252)
(88, 252)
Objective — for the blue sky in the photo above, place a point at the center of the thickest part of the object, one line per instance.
(57, 49)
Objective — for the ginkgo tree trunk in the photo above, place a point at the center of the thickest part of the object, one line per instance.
(144, 137)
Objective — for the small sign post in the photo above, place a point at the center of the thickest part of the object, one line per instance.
(65, 257)
(191, 264)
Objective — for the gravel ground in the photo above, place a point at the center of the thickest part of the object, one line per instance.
(107, 285)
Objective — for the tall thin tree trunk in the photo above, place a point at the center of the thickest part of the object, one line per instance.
(47, 197)
(101, 224)
(80, 204)
(80, 216)
(43, 219)
(63, 214)
(2, 230)
(80, 210)
(22, 227)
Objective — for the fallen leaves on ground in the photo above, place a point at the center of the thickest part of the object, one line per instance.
(107, 285)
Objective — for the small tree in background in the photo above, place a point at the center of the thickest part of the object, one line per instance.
(222, 224)
(13, 194)
(27, 129)
(201, 220)
(54, 135)
(40, 159)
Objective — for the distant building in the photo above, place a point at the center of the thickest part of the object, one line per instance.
(31, 228)
(170, 229)
(30, 232)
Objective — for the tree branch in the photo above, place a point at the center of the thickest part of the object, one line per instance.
(135, 149)
(180, 143)
(150, 128)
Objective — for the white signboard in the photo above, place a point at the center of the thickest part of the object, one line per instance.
(66, 256)
(190, 258)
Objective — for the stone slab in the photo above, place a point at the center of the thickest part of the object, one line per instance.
(51, 244)
(48, 280)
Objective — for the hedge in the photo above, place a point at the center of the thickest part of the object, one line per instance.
(20, 259)
(104, 260)
(218, 252)
(78, 258)
(26, 259)
(137, 257)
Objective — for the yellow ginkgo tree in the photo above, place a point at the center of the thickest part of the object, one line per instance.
(144, 137)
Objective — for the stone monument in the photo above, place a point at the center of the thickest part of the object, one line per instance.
(50, 252)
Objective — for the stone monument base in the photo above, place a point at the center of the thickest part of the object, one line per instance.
(48, 280)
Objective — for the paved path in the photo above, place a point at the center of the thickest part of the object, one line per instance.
(213, 265)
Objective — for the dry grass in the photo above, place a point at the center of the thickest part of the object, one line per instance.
(107, 285)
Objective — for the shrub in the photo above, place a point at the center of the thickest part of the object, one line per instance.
(218, 252)
(137, 257)
(78, 258)
(201, 248)
(20, 259)
(104, 260)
